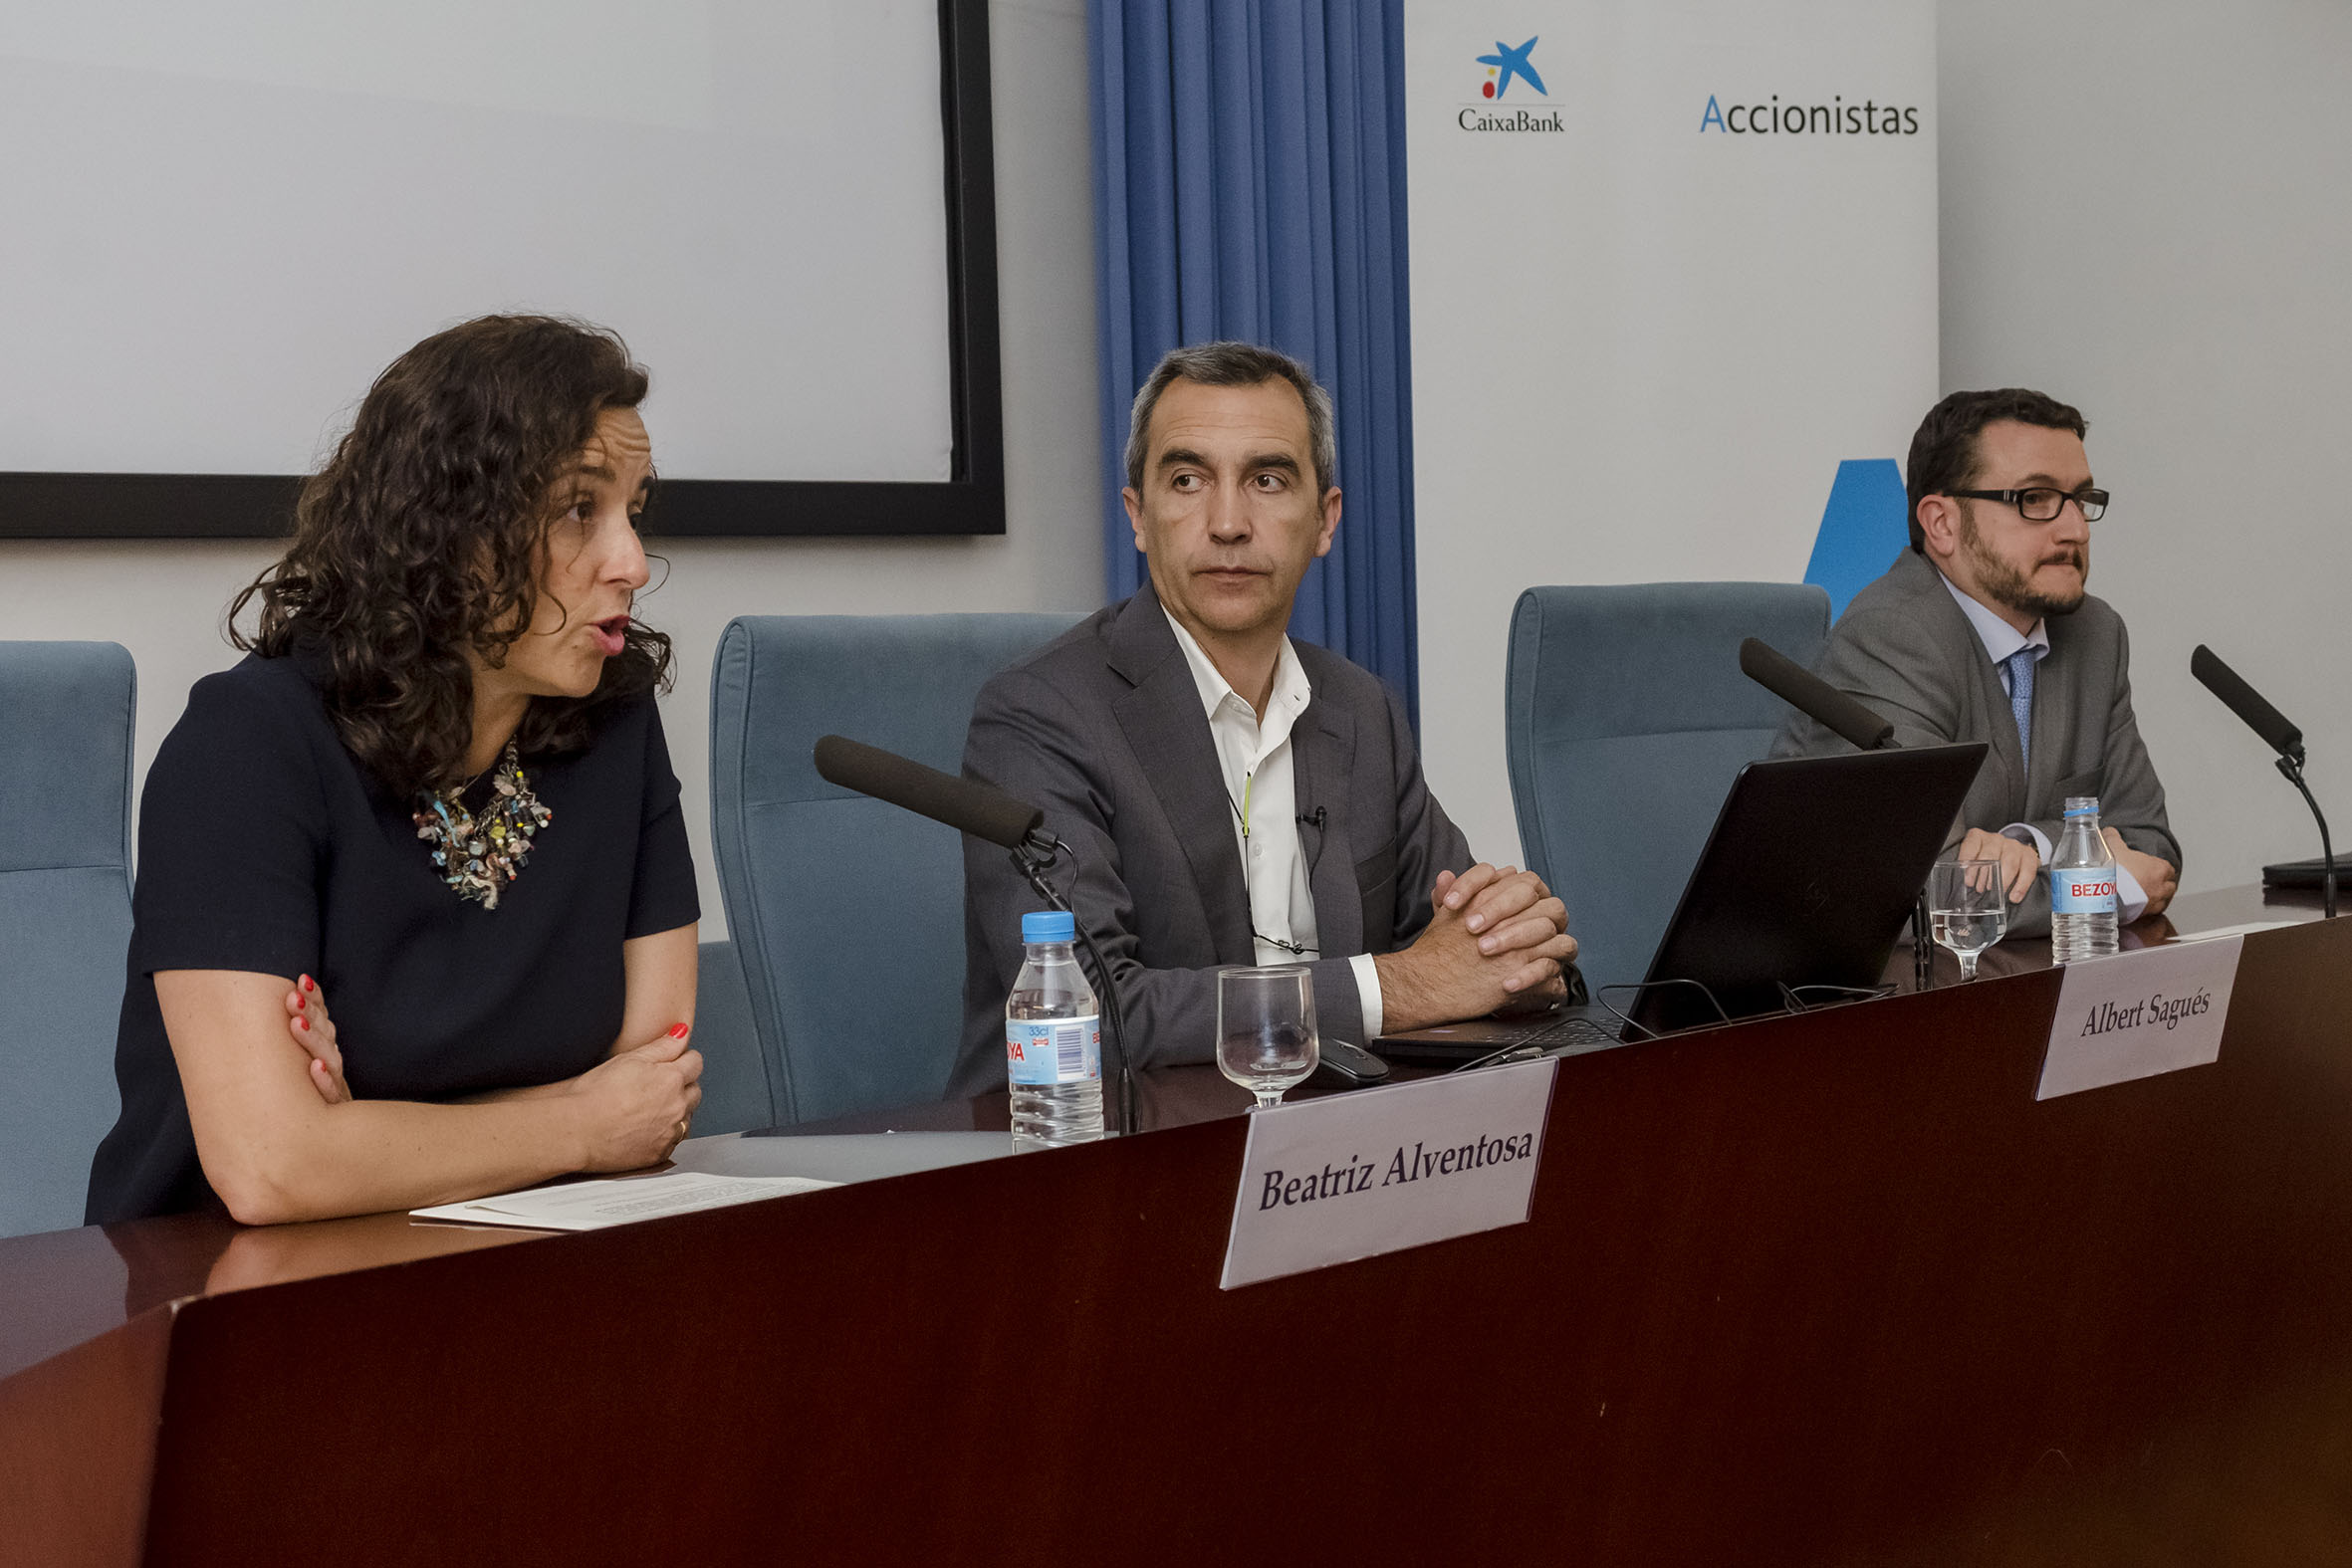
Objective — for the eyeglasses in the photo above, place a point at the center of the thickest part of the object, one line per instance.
(2042, 503)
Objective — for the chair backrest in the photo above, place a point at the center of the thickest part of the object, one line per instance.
(735, 1092)
(846, 913)
(1626, 719)
(66, 713)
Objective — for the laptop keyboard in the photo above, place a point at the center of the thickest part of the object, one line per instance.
(1569, 1031)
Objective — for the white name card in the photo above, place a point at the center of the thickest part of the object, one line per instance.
(1353, 1176)
(2137, 1015)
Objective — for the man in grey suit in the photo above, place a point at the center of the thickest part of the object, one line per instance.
(1982, 631)
(1233, 797)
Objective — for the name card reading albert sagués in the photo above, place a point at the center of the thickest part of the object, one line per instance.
(2137, 1015)
(1353, 1176)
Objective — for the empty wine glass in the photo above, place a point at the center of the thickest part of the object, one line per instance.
(1266, 1038)
(1967, 909)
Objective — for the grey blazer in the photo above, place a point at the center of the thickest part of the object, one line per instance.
(1904, 649)
(1103, 728)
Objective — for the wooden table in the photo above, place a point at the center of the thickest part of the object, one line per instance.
(1827, 1289)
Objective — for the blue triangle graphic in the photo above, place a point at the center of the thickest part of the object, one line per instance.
(1863, 528)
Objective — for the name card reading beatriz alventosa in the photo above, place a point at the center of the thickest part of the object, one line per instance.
(1353, 1176)
(2137, 1015)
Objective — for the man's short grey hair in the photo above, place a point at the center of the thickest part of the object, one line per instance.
(1232, 363)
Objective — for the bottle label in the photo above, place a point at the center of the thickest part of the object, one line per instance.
(1054, 1050)
(2083, 890)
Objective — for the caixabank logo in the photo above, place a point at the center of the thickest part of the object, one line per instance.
(1504, 67)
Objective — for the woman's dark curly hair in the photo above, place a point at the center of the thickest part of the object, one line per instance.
(424, 536)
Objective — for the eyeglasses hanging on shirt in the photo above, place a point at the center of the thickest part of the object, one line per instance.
(1241, 812)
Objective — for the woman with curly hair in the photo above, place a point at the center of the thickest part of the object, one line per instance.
(435, 789)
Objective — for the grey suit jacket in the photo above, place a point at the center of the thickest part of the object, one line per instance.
(1103, 728)
(1905, 650)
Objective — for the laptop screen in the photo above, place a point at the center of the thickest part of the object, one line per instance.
(1811, 870)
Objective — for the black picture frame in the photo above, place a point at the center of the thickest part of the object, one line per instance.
(971, 500)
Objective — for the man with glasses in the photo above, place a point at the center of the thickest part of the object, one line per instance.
(1230, 797)
(1982, 631)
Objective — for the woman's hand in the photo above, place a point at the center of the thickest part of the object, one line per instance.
(276, 1150)
(313, 1031)
(638, 1106)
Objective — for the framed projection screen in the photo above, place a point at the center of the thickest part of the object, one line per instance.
(227, 216)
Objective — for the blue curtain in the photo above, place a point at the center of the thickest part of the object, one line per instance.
(1250, 183)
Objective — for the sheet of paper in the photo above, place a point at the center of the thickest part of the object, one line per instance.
(837, 1157)
(1353, 1176)
(2244, 929)
(2139, 1014)
(624, 1199)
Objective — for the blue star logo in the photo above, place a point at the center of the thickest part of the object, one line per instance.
(1508, 63)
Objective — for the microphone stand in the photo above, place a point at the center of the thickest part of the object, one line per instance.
(2282, 737)
(1033, 859)
(1923, 950)
(2291, 764)
(1923, 954)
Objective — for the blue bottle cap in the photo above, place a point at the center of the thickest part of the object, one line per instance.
(1048, 925)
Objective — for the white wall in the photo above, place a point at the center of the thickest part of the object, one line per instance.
(165, 599)
(2144, 212)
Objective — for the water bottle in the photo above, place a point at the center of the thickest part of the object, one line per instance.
(2082, 886)
(1053, 1040)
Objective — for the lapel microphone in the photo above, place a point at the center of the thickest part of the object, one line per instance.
(1314, 848)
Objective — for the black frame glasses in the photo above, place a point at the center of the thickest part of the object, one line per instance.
(1296, 950)
(2043, 503)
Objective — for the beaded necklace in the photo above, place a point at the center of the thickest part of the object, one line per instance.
(479, 854)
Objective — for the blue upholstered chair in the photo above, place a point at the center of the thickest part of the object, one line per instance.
(65, 917)
(735, 1093)
(1626, 717)
(846, 913)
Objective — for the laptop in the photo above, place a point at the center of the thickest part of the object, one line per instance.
(1808, 879)
(2307, 873)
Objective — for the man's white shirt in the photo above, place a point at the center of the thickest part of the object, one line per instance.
(1253, 756)
(2002, 642)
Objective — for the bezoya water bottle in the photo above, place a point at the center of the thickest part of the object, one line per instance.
(1053, 1040)
(2082, 886)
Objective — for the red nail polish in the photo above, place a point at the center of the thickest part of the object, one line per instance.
(303, 1025)
(308, 985)
(677, 1032)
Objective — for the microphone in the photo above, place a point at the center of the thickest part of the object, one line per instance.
(1812, 696)
(2243, 701)
(985, 812)
(965, 804)
(2282, 737)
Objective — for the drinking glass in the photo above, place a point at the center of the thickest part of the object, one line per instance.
(1266, 1040)
(1967, 909)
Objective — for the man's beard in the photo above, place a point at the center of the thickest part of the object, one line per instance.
(2010, 586)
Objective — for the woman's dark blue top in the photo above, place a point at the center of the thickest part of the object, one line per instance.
(265, 846)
